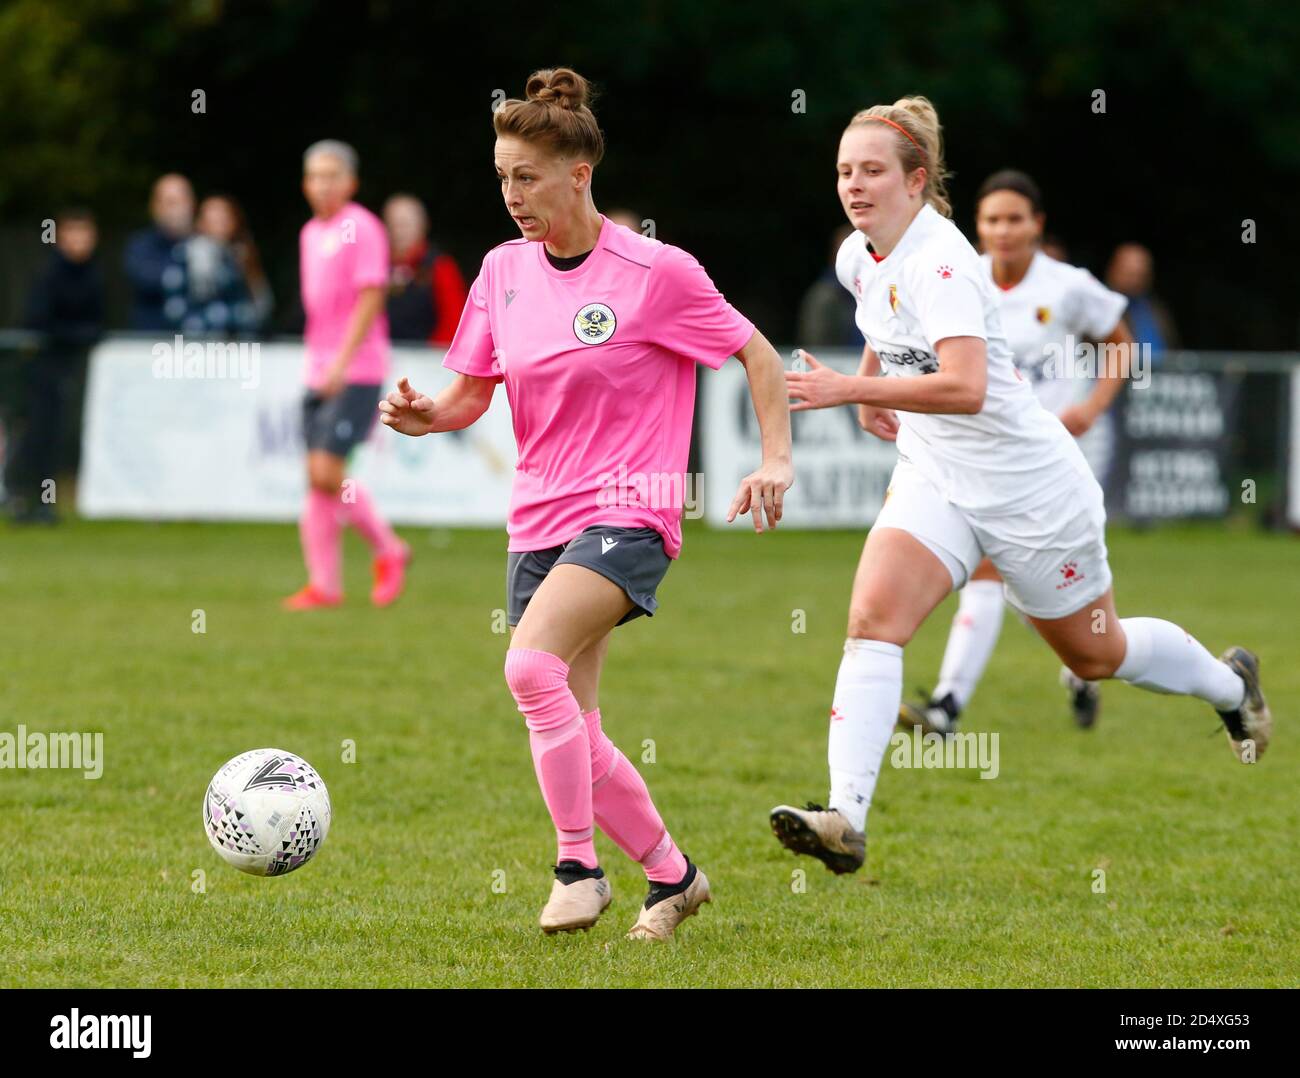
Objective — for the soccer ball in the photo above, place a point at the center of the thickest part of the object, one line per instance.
(266, 812)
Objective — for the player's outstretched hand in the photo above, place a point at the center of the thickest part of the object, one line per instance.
(817, 387)
(762, 492)
(407, 411)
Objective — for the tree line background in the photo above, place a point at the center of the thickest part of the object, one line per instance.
(1200, 133)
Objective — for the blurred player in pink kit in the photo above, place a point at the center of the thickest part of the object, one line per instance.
(595, 331)
(344, 269)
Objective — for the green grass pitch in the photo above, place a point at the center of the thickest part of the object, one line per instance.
(438, 860)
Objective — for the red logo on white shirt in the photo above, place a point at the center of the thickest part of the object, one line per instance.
(945, 272)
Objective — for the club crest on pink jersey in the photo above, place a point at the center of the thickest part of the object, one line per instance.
(594, 324)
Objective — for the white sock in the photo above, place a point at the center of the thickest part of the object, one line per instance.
(868, 690)
(971, 640)
(1163, 658)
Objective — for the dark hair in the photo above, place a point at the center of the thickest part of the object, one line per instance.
(70, 214)
(555, 114)
(1010, 179)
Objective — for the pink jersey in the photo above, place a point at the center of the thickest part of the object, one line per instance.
(599, 367)
(337, 258)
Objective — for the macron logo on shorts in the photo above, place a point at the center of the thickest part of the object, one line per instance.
(607, 544)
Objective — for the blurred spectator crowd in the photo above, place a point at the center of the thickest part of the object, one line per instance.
(195, 269)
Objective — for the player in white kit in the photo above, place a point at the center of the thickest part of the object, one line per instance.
(984, 470)
(1050, 313)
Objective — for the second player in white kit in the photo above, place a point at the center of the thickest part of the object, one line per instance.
(1051, 313)
(984, 470)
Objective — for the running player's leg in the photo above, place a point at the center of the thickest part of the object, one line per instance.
(320, 529)
(899, 581)
(353, 417)
(974, 633)
(572, 609)
(621, 802)
(1095, 643)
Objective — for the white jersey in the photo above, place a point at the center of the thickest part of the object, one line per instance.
(1012, 454)
(1054, 301)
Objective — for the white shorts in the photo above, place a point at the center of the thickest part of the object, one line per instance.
(1052, 558)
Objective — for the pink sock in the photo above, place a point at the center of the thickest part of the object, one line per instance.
(561, 756)
(320, 530)
(622, 808)
(360, 511)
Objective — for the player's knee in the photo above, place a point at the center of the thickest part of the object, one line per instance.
(539, 682)
(529, 672)
(324, 478)
(870, 622)
(1093, 667)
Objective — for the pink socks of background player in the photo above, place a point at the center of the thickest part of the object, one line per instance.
(585, 780)
(321, 528)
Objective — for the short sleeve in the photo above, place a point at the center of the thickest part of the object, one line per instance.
(688, 315)
(1097, 309)
(847, 258)
(371, 266)
(472, 351)
(949, 299)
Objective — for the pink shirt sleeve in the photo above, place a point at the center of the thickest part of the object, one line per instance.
(689, 315)
(472, 351)
(371, 266)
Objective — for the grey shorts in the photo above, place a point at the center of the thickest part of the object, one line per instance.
(633, 558)
(340, 423)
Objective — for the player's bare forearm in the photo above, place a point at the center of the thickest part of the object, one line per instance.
(956, 388)
(364, 312)
(937, 394)
(462, 403)
(870, 365)
(767, 389)
(1110, 380)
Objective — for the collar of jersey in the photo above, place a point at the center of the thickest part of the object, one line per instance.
(325, 222)
(1033, 265)
(574, 274)
(910, 232)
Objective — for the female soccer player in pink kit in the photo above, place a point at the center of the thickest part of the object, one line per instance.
(984, 470)
(344, 270)
(595, 331)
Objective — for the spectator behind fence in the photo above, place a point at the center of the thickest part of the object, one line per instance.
(221, 220)
(66, 304)
(827, 311)
(155, 258)
(426, 291)
(1131, 273)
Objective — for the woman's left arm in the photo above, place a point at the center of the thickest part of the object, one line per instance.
(763, 491)
(1078, 418)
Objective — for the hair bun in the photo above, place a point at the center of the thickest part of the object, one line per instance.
(558, 86)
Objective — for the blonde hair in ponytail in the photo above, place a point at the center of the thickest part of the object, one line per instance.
(919, 141)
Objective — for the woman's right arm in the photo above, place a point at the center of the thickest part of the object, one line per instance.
(409, 411)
